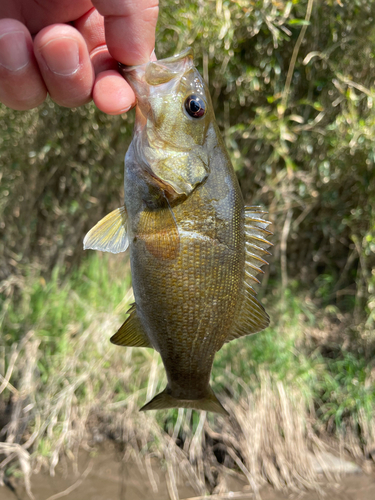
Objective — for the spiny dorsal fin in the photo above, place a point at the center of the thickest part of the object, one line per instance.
(131, 333)
(252, 316)
(256, 243)
(109, 234)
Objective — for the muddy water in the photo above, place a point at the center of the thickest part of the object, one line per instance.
(108, 477)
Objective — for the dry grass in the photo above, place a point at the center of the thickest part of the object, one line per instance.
(266, 437)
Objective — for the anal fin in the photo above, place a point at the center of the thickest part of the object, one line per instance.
(131, 333)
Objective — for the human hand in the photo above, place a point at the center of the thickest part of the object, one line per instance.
(70, 49)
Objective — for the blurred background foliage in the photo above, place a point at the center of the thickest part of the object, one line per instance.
(293, 88)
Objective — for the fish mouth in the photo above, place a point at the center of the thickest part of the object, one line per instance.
(159, 70)
(154, 73)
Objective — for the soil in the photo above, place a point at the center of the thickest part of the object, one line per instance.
(108, 477)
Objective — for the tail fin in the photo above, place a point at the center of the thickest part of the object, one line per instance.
(164, 400)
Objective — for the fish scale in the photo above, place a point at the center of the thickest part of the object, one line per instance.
(195, 249)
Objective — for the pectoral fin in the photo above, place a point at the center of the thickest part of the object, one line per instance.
(109, 234)
(131, 333)
(159, 231)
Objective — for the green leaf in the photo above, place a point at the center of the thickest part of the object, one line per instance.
(299, 22)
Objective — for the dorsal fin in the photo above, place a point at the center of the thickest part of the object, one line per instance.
(131, 333)
(252, 317)
(256, 243)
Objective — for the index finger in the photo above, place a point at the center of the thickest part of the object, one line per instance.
(129, 28)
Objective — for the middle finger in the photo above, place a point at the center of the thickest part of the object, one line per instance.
(111, 93)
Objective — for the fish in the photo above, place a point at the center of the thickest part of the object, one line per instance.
(195, 248)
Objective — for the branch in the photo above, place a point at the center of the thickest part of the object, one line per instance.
(293, 60)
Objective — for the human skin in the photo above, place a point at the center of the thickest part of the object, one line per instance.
(70, 49)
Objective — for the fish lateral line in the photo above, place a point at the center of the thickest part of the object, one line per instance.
(196, 235)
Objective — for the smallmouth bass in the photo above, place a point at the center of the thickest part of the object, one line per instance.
(195, 248)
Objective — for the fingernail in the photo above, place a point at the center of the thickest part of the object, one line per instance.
(122, 111)
(61, 56)
(14, 53)
(153, 56)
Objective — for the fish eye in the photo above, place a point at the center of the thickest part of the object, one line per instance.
(195, 106)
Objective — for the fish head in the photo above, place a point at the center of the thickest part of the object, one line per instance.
(174, 112)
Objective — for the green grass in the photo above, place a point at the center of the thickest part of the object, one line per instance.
(345, 389)
(50, 308)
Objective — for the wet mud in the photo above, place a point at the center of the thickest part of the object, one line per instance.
(106, 476)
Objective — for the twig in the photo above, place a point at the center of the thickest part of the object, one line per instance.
(364, 278)
(355, 85)
(283, 246)
(12, 362)
(293, 60)
(7, 384)
(303, 215)
(230, 495)
(74, 485)
(249, 477)
(15, 450)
